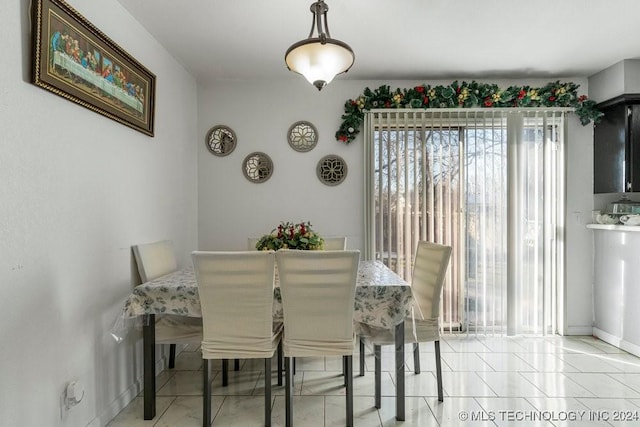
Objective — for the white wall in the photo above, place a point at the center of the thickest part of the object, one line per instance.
(232, 209)
(76, 191)
(620, 78)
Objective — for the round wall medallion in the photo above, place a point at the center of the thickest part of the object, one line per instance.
(303, 136)
(221, 140)
(331, 169)
(257, 167)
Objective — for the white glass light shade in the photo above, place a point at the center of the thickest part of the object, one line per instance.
(319, 63)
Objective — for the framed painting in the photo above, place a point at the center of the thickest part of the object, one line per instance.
(74, 59)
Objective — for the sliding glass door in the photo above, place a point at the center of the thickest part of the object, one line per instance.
(489, 184)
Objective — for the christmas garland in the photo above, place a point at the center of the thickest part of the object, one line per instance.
(465, 95)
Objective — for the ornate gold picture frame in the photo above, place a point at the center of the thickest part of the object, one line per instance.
(75, 60)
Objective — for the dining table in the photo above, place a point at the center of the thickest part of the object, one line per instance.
(383, 301)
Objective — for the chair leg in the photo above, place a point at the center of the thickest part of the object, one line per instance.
(349, 383)
(172, 356)
(206, 393)
(294, 366)
(416, 357)
(344, 369)
(377, 353)
(280, 364)
(267, 392)
(288, 394)
(236, 365)
(438, 370)
(361, 357)
(225, 372)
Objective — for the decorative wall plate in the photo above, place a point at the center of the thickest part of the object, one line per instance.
(257, 167)
(302, 136)
(221, 140)
(331, 169)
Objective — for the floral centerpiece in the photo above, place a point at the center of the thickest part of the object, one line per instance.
(288, 235)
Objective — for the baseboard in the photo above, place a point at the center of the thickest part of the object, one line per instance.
(630, 348)
(617, 342)
(126, 397)
(607, 337)
(579, 330)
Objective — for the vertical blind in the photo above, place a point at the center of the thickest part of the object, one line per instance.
(489, 183)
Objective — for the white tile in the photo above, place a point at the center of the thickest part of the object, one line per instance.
(364, 412)
(465, 384)
(630, 380)
(565, 412)
(546, 362)
(503, 344)
(458, 411)
(603, 385)
(427, 361)
(466, 345)
(322, 383)
(132, 415)
(186, 412)
(188, 361)
(589, 362)
(617, 412)
(512, 412)
(241, 411)
(577, 345)
(506, 362)
(417, 413)
(539, 345)
(183, 383)
(465, 362)
(601, 345)
(509, 384)
(555, 384)
(542, 378)
(311, 364)
(444, 346)
(332, 384)
(307, 411)
(162, 378)
(423, 384)
(388, 362)
(240, 383)
(625, 362)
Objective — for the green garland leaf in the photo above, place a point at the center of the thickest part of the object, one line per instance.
(465, 95)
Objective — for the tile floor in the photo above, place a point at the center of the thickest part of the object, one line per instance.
(495, 381)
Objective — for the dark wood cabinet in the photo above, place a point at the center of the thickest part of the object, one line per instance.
(616, 147)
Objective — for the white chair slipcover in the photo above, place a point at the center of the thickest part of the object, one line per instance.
(318, 295)
(236, 297)
(335, 243)
(429, 269)
(155, 260)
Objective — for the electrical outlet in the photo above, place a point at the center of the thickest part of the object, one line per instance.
(578, 216)
(70, 396)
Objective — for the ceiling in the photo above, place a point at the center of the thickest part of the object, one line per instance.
(399, 39)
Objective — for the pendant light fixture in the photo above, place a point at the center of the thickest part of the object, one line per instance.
(319, 58)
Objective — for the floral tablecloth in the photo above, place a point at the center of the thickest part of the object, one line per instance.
(383, 299)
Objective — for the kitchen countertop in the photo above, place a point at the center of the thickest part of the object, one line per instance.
(614, 227)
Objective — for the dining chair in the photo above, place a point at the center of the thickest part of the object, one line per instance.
(155, 260)
(335, 243)
(236, 296)
(339, 243)
(429, 269)
(318, 295)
